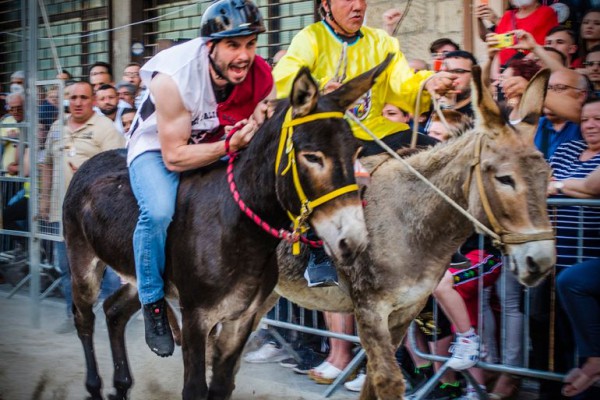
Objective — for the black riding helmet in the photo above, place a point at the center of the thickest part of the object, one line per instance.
(230, 18)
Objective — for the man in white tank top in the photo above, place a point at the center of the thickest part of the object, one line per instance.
(177, 128)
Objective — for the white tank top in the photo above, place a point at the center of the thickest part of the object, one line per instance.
(188, 65)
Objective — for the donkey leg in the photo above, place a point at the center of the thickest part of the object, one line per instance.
(86, 275)
(383, 373)
(368, 390)
(193, 347)
(227, 351)
(119, 308)
(264, 309)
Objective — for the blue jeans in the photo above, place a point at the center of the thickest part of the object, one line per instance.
(155, 188)
(579, 291)
(110, 282)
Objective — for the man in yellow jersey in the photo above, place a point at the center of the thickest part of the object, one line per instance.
(319, 46)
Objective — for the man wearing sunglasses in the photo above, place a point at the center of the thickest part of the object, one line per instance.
(460, 63)
(554, 129)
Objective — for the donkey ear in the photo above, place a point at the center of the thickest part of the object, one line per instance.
(305, 93)
(487, 112)
(532, 103)
(351, 91)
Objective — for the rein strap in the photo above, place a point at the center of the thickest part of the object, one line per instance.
(500, 237)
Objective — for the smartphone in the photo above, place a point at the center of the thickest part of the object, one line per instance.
(437, 65)
(483, 2)
(505, 40)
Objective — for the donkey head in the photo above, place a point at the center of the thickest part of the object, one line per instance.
(321, 152)
(514, 178)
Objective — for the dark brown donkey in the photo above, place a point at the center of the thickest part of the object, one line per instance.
(220, 264)
(413, 232)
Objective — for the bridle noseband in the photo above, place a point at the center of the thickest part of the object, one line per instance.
(500, 237)
(299, 219)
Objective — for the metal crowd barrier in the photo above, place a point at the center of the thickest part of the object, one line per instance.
(35, 237)
(523, 371)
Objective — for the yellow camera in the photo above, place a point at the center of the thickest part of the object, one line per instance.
(505, 40)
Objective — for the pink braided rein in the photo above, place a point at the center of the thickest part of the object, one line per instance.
(284, 234)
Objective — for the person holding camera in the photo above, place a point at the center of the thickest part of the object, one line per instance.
(528, 15)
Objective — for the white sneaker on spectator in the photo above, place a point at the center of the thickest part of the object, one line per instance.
(465, 352)
(67, 326)
(268, 353)
(356, 384)
(471, 393)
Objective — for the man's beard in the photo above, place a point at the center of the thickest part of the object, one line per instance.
(222, 68)
(109, 111)
(463, 95)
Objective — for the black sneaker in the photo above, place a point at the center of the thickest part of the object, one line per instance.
(320, 271)
(158, 332)
(458, 261)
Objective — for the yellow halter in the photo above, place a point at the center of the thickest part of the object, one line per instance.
(286, 144)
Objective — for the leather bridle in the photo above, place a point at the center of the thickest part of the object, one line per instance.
(502, 236)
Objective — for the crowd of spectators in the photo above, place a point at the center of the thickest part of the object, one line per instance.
(566, 137)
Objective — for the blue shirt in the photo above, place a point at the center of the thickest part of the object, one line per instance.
(570, 131)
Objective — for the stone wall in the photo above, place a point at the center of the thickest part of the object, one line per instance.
(429, 20)
(426, 21)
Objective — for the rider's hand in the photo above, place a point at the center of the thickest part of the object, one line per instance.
(246, 130)
(260, 113)
(441, 84)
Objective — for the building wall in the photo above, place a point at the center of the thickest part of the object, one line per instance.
(428, 20)
(121, 39)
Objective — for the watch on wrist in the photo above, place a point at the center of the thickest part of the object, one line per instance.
(559, 186)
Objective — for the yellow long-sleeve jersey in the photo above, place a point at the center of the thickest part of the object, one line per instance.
(319, 48)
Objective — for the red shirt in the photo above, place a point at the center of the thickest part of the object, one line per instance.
(244, 98)
(577, 63)
(538, 23)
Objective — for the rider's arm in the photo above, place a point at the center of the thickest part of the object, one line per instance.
(174, 130)
(302, 52)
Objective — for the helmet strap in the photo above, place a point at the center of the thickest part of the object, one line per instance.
(213, 64)
(329, 15)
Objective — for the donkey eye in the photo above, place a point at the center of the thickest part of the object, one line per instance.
(313, 158)
(506, 180)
